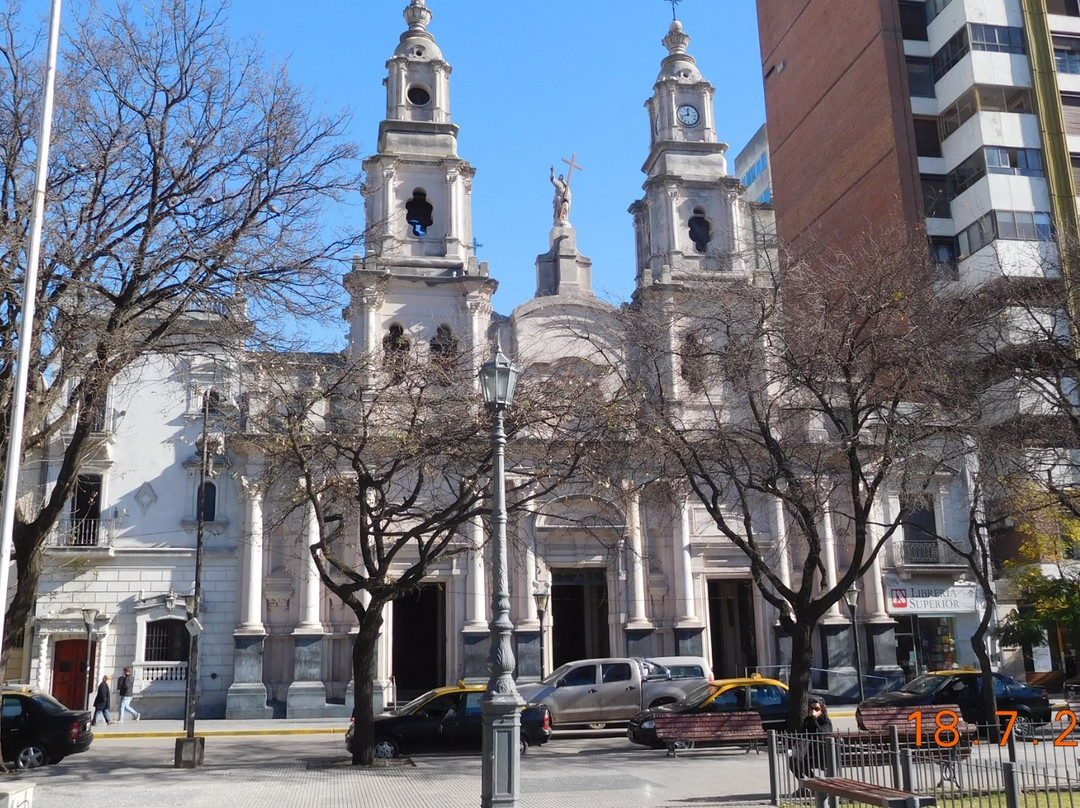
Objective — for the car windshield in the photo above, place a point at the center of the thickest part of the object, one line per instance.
(412, 705)
(921, 685)
(699, 694)
(48, 703)
(556, 674)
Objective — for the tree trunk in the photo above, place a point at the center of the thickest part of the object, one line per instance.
(978, 645)
(363, 749)
(802, 657)
(29, 552)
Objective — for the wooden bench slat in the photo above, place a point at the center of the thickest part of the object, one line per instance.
(864, 792)
(721, 727)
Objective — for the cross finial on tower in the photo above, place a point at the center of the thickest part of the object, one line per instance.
(674, 6)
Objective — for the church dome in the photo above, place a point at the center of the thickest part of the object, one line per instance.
(679, 65)
(417, 42)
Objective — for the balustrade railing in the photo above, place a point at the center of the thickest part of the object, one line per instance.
(83, 533)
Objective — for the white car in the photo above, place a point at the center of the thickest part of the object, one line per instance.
(685, 667)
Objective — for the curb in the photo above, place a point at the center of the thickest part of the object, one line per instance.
(219, 733)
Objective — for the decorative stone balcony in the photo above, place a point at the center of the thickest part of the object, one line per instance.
(83, 534)
(925, 554)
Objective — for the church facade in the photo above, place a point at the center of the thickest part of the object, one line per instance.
(629, 572)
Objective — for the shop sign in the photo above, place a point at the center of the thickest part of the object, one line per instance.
(907, 597)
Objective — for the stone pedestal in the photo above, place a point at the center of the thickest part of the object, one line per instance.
(640, 642)
(189, 752)
(307, 693)
(527, 654)
(562, 270)
(881, 666)
(475, 648)
(247, 694)
(688, 642)
(838, 651)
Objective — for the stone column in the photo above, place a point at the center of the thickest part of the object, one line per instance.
(247, 697)
(43, 664)
(684, 579)
(307, 693)
(873, 598)
(636, 546)
(475, 634)
(828, 550)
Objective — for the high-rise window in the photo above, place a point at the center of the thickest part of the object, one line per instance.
(913, 20)
(1067, 54)
(1068, 8)
(983, 98)
(935, 197)
(927, 142)
(977, 37)
(920, 77)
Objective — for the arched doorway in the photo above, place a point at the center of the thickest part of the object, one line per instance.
(69, 672)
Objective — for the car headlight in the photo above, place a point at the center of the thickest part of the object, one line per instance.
(648, 724)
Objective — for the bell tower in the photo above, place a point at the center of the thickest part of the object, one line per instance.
(418, 287)
(690, 220)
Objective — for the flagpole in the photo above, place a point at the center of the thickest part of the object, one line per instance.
(18, 399)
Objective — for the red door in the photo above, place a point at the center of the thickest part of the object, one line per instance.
(69, 672)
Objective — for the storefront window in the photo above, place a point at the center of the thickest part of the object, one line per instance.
(925, 644)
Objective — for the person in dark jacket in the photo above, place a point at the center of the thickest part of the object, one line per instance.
(102, 701)
(809, 752)
(125, 688)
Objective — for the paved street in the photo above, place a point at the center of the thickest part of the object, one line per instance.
(311, 769)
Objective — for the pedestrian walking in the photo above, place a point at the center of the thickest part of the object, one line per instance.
(102, 701)
(125, 686)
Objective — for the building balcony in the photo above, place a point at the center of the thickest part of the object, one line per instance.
(925, 555)
(83, 534)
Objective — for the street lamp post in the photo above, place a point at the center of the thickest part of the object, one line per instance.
(88, 616)
(852, 598)
(501, 704)
(542, 596)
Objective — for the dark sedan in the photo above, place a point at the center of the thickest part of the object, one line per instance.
(36, 729)
(767, 697)
(446, 718)
(964, 688)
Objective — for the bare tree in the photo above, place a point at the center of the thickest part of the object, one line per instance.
(790, 404)
(394, 462)
(185, 203)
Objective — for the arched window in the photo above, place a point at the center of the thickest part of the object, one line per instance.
(166, 641)
(395, 351)
(700, 230)
(418, 213)
(209, 502)
(692, 363)
(444, 348)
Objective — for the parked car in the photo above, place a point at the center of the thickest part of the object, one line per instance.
(446, 718)
(36, 729)
(964, 688)
(597, 691)
(767, 697)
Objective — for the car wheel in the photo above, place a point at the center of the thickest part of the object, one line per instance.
(31, 756)
(684, 744)
(386, 748)
(661, 703)
(522, 746)
(597, 725)
(1024, 727)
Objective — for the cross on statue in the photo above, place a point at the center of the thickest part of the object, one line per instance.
(573, 165)
(674, 5)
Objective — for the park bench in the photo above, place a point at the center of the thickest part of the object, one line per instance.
(685, 729)
(825, 788)
(873, 746)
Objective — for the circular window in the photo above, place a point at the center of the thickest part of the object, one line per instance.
(418, 52)
(419, 96)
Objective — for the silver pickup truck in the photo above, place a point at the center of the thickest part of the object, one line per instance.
(599, 691)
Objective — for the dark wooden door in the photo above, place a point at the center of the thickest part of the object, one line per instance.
(69, 672)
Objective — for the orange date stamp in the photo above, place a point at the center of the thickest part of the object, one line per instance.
(946, 731)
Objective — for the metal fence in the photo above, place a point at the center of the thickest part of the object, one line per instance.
(1042, 771)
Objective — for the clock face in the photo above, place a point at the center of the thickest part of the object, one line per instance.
(688, 115)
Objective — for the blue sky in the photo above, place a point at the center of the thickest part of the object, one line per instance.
(533, 81)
